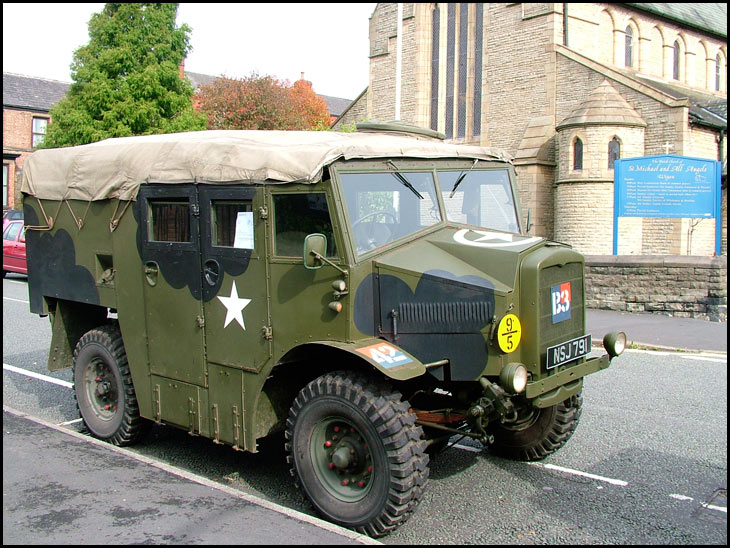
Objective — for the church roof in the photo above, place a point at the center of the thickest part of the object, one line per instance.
(705, 17)
(603, 106)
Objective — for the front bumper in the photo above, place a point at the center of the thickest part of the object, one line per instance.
(560, 386)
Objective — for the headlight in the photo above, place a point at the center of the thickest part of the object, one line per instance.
(614, 343)
(513, 378)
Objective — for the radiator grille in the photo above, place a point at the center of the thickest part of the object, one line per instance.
(554, 333)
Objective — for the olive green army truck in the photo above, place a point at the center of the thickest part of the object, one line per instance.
(370, 294)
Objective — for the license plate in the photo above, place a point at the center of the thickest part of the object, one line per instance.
(568, 351)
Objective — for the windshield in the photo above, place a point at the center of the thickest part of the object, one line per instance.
(479, 198)
(386, 206)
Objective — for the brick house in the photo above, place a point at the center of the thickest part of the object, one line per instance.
(564, 89)
(26, 105)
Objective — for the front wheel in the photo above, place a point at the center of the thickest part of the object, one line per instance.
(103, 387)
(538, 432)
(356, 452)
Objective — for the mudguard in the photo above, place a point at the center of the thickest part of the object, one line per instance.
(391, 360)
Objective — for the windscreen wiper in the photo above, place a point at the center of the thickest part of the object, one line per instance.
(461, 178)
(404, 181)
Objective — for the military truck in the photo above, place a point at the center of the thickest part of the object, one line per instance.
(370, 294)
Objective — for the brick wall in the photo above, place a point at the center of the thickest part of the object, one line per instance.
(687, 287)
(16, 141)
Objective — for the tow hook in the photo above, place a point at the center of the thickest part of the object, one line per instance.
(494, 400)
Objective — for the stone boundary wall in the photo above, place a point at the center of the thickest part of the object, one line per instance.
(681, 286)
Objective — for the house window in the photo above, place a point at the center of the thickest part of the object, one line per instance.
(629, 48)
(38, 131)
(6, 178)
(675, 64)
(577, 154)
(614, 152)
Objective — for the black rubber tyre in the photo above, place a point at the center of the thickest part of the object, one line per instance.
(103, 387)
(539, 432)
(356, 452)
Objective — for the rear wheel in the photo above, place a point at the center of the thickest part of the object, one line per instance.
(103, 387)
(356, 452)
(538, 432)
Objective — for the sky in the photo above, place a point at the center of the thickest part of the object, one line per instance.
(327, 42)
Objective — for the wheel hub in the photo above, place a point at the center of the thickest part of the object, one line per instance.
(342, 459)
(101, 390)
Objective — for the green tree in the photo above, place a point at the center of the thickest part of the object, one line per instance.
(262, 102)
(126, 80)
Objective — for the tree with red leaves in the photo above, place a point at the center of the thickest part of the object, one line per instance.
(262, 102)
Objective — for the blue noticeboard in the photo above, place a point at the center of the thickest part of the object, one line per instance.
(667, 186)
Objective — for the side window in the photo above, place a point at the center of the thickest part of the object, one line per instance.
(12, 231)
(232, 224)
(169, 220)
(296, 216)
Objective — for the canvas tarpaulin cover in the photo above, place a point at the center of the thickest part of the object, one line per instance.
(115, 168)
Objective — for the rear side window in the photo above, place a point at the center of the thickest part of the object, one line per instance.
(169, 220)
(232, 224)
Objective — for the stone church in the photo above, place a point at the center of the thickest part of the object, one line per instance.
(566, 89)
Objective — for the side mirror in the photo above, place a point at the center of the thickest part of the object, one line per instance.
(315, 247)
(529, 221)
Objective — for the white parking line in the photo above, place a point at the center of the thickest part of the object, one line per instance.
(612, 481)
(699, 356)
(36, 375)
(684, 498)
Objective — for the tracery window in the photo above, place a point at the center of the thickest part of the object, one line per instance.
(614, 152)
(577, 154)
(629, 48)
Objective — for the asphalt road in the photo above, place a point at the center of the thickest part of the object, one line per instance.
(647, 465)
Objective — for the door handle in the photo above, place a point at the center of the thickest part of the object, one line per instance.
(151, 271)
(211, 271)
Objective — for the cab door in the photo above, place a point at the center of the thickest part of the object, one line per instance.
(235, 292)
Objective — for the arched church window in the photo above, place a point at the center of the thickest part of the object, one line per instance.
(614, 152)
(718, 62)
(675, 64)
(577, 154)
(629, 48)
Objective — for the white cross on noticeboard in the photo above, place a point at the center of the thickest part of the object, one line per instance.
(667, 146)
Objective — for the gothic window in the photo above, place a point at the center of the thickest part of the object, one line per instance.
(614, 152)
(435, 32)
(629, 48)
(577, 154)
(461, 98)
(675, 64)
(478, 31)
(450, 66)
(718, 62)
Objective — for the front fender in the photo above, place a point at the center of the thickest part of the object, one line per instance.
(391, 360)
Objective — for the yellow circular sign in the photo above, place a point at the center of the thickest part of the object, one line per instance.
(509, 333)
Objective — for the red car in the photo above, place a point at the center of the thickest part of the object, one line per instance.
(14, 248)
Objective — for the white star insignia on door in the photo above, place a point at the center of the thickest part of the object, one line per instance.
(234, 307)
